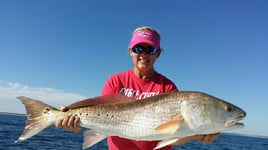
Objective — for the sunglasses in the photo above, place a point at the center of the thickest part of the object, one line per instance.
(149, 50)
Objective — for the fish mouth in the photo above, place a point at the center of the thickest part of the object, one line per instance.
(234, 123)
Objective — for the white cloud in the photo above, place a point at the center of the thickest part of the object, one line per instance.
(9, 91)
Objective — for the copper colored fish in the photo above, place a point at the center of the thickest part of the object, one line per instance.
(166, 117)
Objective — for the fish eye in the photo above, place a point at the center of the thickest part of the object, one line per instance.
(228, 109)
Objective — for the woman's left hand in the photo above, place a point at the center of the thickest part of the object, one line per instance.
(208, 139)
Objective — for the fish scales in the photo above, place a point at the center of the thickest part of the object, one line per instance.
(137, 119)
(167, 117)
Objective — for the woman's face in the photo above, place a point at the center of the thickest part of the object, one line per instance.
(143, 61)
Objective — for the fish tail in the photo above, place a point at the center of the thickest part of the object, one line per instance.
(39, 117)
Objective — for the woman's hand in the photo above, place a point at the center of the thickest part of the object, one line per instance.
(69, 122)
(208, 139)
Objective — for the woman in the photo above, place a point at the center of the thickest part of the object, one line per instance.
(140, 82)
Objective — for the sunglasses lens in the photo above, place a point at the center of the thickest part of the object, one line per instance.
(137, 49)
(149, 50)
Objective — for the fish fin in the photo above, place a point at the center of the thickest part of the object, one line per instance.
(37, 117)
(113, 98)
(166, 143)
(91, 138)
(171, 126)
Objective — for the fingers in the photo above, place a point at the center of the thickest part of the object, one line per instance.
(64, 108)
(77, 126)
(69, 122)
(214, 137)
(183, 140)
(209, 138)
(73, 123)
(58, 123)
(65, 123)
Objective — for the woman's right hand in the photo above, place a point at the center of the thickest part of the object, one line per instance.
(69, 122)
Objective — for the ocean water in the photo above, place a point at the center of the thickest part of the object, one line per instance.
(11, 127)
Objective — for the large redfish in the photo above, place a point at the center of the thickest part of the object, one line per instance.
(167, 117)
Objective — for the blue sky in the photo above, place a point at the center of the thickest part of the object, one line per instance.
(63, 51)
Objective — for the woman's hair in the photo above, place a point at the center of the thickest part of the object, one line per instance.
(147, 28)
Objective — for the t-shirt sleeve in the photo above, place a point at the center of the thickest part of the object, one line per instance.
(173, 88)
(170, 86)
(109, 86)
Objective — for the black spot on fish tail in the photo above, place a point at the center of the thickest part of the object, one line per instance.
(46, 111)
(37, 117)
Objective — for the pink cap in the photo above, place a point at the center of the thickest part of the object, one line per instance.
(145, 36)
